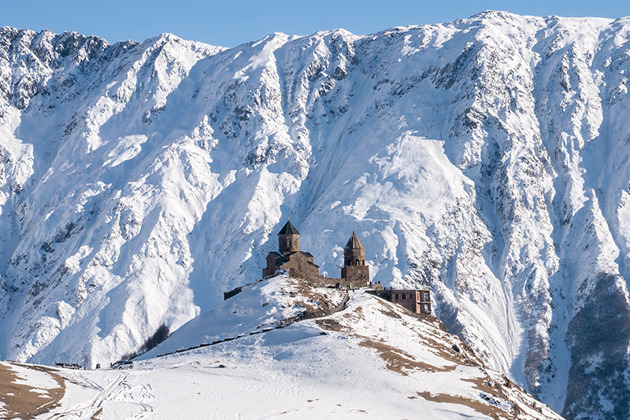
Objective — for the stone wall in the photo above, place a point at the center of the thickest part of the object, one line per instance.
(356, 273)
(288, 243)
(270, 270)
(299, 262)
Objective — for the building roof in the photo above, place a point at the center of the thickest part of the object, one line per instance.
(282, 259)
(354, 242)
(288, 229)
(308, 254)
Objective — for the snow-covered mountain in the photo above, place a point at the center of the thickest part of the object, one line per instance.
(486, 158)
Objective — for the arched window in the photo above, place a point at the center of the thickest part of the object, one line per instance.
(363, 262)
(349, 262)
(403, 296)
(357, 262)
(396, 295)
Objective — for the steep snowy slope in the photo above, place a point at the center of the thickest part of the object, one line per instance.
(486, 158)
(260, 307)
(372, 359)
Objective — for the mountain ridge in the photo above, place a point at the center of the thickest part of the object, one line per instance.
(484, 158)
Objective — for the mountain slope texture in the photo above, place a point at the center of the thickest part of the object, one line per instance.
(486, 158)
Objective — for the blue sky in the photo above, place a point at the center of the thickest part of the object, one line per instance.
(230, 23)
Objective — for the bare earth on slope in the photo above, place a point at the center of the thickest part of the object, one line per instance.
(418, 346)
(19, 399)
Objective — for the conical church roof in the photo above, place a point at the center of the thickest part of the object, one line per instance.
(354, 242)
(288, 229)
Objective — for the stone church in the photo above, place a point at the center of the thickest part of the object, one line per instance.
(300, 264)
(354, 267)
(289, 256)
(354, 273)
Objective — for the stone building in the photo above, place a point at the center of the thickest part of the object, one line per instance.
(354, 268)
(416, 300)
(289, 257)
(354, 273)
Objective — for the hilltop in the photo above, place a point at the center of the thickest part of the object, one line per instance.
(280, 355)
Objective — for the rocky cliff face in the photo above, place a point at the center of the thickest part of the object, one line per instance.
(486, 158)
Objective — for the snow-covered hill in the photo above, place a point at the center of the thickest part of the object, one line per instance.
(486, 158)
(372, 359)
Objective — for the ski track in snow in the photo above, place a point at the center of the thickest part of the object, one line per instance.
(117, 391)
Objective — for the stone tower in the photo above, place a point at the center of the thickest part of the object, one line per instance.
(354, 268)
(288, 239)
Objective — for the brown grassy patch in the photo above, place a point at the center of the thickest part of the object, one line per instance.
(331, 325)
(22, 401)
(484, 385)
(490, 384)
(436, 335)
(495, 389)
(395, 359)
(98, 414)
(386, 310)
(316, 304)
(399, 361)
(466, 355)
(478, 406)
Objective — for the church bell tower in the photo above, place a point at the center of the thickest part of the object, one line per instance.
(288, 239)
(354, 268)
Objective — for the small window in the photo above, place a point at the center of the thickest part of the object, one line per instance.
(427, 308)
(426, 296)
(396, 295)
(403, 295)
(357, 262)
(349, 262)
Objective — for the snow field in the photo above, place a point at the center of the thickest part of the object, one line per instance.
(309, 369)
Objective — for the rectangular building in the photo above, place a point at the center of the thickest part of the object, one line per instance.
(416, 300)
